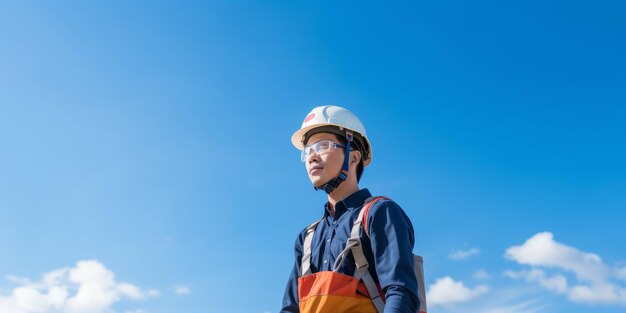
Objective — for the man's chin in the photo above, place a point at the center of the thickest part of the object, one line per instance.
(317, 183)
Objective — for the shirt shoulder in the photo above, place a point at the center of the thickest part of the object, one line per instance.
(386, 212)
(384, 205)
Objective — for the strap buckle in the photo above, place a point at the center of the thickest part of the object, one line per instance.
(361, 267)
(349, 135)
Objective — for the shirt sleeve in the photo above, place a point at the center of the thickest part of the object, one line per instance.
(291, 303)
(391, 236)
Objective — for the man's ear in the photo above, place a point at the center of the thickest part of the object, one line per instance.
(355, 157)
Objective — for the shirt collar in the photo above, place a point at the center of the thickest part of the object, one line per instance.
(351, 202)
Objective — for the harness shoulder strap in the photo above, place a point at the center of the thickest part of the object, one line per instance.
(362, 267)
(366, 209)
(305, 267)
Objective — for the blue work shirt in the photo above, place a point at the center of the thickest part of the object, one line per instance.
(388, 249)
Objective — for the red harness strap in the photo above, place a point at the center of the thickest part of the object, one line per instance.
(366, 210)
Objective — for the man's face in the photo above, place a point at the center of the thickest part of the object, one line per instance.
(326, 166)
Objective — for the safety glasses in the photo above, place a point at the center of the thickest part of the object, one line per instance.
(319, 147)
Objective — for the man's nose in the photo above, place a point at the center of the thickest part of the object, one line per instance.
(313, 156)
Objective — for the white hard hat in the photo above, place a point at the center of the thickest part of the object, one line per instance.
(331, 115)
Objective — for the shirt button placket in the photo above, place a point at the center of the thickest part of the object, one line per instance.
(327, 249)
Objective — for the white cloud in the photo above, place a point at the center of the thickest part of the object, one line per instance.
(621, 273)
(594, 278)
(152, 293)
(182, 290)
(18, 280)
(464, 254)
(31, 299)
(556, 283)
(89, 287)
(542, 250)
(481, 274)
(603, 293)
(130, 291)
(503, 299)
(448, 291)
(529, 306)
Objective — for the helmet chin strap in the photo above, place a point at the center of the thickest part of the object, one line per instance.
(332, 184)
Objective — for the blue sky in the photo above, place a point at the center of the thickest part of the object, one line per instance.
(146, 148)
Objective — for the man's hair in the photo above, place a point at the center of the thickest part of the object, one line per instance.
(353, 147)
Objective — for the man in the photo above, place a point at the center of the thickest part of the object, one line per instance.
(325, 276)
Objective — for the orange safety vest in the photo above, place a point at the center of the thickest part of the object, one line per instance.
(333, 292)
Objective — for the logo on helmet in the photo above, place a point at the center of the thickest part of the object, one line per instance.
(309, 117)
